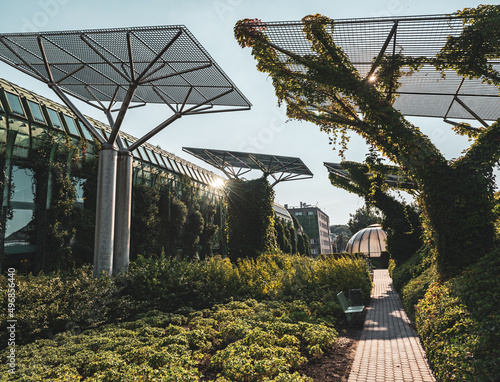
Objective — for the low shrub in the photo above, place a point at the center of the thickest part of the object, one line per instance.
(458, 323)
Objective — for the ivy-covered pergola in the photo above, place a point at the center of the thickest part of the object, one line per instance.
(368, 75)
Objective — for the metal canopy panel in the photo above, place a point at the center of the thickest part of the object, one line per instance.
(424, 93)
(97, 66)
(235, 163)
(392, 180)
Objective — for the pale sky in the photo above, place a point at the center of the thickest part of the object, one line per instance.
(263, 128)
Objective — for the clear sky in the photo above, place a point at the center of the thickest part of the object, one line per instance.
(262, 129)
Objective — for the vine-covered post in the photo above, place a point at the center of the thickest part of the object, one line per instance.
(105, 211)
(121, 251)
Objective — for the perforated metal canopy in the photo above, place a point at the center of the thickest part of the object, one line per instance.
(392, 180)
(131, 66)
(98, 65)
(235, 164)
(424, 93)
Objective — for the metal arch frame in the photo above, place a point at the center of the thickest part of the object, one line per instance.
(113, 211)
(296, 170)
(414, 30)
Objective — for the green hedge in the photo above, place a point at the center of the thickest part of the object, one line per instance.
(459, 320)
(74, 301)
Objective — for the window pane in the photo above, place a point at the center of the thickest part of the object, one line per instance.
(154, 158)
(3, 131)
(168, 165)
(54, 117)
(15, 104)
(150, 155)
(180, 170)
(36, 111)
(20, 230)
(141, 151)
(79, 191)
(71, 125)
(22, 180)
(85, 131)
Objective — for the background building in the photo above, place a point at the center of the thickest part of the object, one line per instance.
(316, 224)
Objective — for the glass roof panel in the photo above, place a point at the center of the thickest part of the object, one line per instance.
(15, 104)
(166, 162)
(54, 117)
(86, 133)
(36, 111)
(143, 154)
(70, 122)
(152, 156)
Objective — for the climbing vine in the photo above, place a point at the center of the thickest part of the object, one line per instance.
(250, 218)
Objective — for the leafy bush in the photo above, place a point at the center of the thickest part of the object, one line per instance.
(250, 218)
(62, 301)
(415, 290)
(458, 322)
(402, 273)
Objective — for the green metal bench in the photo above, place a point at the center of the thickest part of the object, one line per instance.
(348, 310)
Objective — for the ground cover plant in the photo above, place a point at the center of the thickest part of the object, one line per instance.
(238, 341)
(259, 319)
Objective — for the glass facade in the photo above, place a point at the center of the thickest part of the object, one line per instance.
(25, 123)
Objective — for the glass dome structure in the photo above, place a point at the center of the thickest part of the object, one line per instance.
(370, 241)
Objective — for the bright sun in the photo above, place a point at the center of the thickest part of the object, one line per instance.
(218, 183)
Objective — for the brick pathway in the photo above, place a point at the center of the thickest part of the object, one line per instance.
(389, 348)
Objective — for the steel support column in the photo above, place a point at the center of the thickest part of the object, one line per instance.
(121, 252)
(105, 211)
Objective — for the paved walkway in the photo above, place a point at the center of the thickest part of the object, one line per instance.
(389, 348)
